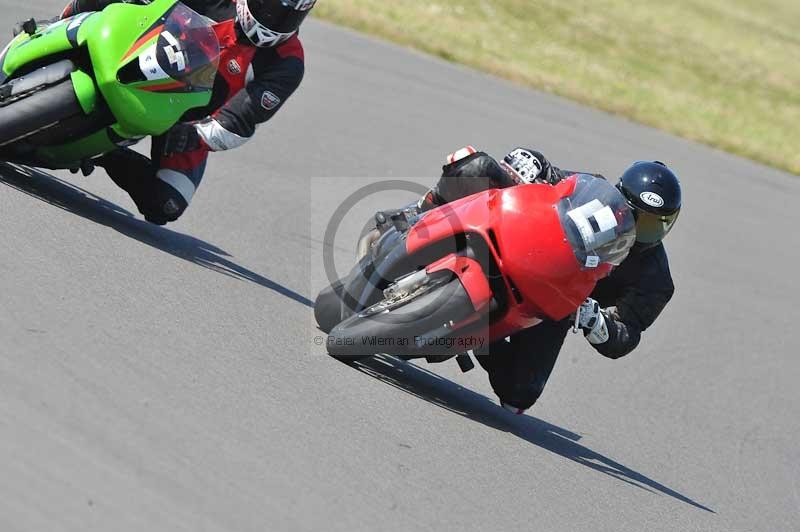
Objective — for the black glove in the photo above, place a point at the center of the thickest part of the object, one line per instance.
(469, 175)
(429, 201)
(401, 219)
(181, 138)
(478, 165)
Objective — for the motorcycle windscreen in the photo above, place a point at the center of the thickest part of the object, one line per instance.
(184, 56)
(555, 263)
(598, 222)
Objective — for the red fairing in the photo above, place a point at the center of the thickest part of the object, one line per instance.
(532, 249)
(472, 277)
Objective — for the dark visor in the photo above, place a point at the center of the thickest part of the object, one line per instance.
(652, 228)
(280, 16)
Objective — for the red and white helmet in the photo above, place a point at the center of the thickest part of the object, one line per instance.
(271, 22)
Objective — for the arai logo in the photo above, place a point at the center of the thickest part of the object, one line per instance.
(652, 199)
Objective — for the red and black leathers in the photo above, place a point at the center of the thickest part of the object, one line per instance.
(252, 85)
(634, 295)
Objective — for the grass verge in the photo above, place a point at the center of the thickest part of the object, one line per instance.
(722, 72)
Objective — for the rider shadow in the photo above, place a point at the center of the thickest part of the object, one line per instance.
(80, 202)
(446, 394)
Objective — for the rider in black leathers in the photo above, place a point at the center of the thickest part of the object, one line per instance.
(621, 307)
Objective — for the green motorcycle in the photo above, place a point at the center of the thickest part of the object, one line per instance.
(84, 86)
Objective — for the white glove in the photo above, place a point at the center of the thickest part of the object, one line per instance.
(593, 322)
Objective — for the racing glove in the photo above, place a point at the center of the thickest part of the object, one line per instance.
(591, 319)
(181, 138)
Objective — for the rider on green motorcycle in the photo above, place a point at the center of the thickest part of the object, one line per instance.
(261, 65)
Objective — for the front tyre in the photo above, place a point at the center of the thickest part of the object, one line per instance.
(393, 327)
(41, 109)
(328, 307)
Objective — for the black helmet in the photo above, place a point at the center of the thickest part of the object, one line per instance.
(654, 193)
(271, 22)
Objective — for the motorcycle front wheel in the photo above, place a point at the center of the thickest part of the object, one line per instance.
(397, 327)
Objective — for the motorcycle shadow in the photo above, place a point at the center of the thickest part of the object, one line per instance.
(73, 199)
(446, 394)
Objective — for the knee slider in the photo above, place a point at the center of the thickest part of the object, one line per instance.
(172, 195)
(166, 205)
(521, 397)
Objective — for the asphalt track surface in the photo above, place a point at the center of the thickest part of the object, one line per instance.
(168, 379)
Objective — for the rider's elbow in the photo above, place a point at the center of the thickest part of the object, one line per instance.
(622, 340)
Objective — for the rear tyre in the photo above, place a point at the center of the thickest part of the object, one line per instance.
(42, 109)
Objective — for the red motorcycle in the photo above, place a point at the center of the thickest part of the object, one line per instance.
(477, 270)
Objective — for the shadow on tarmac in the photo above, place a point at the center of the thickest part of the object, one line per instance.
(402, 375)
(446, 394)
(75, 200)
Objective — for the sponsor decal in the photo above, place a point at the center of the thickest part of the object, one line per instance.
(234, 67)
(76, 22)
(138, 45)
(149, 66)
(652, 199)
(269, 101)
(176, 58)
(175, 54)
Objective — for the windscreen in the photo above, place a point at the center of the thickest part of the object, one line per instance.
(598, 222)
(187, 49)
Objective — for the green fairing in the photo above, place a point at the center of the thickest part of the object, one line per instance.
(74, 152)
(26, 49)
(109, 36)
(85, 91)
(112, 35)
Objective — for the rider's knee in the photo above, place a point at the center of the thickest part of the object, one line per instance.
(520, 397)
(172, 193)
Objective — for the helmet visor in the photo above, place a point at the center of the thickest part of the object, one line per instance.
(652, 228)
(281, 16)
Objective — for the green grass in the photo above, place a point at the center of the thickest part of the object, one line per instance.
(722, 72)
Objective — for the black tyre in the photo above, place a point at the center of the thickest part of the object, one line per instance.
(394, 330)
(328, 307)
(41, 109)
